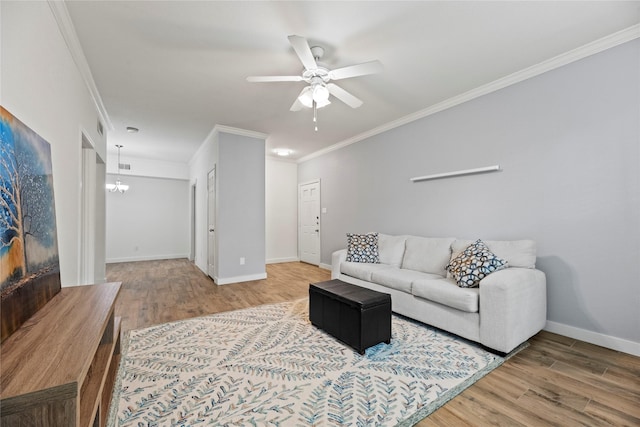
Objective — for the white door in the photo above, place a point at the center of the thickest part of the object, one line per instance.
(192, 252)
(309, 222)
(211, 224)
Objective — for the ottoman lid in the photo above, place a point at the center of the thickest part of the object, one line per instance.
(350, 294)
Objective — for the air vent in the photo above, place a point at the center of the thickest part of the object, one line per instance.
(125, 166)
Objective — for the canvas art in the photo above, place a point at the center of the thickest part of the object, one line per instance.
(30, 269)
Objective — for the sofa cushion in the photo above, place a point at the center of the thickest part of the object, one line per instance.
(391, 249)
(361, 270)
(518, 253)
(473, 264)
(362, 247)
(427, 254)
(446, 292)
(400, 279)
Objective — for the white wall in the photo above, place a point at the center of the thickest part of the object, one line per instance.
(281, 195)
(100, 268)
(568, 141)
(149, 221)
(42, 87)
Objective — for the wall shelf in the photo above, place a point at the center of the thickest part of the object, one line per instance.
(494, 168)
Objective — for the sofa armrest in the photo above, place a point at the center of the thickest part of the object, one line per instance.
(337, 258)
(513, 307)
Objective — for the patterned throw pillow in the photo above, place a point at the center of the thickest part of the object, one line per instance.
(362, 248)
(474, 264)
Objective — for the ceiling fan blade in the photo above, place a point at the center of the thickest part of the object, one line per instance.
(363, 69)
(297, 105)
(268, 79)
(301, 46)
(344, 96)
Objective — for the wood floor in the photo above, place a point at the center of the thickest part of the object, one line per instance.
(555, 381)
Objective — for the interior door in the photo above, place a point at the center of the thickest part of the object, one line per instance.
(192, 252)
(211, 224)
(309, 222)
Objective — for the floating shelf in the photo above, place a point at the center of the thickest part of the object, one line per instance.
(487, 169)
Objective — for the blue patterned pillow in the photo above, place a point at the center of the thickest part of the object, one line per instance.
(363, 248)
(474, 264)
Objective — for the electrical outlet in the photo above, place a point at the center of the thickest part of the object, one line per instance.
(241, 260)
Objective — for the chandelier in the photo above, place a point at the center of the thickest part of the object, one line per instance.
(118, 186)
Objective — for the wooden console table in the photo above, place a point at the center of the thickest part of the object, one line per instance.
(59, 367)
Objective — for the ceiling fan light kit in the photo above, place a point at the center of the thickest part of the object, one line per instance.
(318, 77)
(316, 92)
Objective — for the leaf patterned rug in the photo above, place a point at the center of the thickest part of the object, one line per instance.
(268, 366)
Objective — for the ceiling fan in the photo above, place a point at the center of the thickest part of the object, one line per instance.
(319, 77)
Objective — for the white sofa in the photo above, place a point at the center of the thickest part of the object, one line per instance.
(506, 309)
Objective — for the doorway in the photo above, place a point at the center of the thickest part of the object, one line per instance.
(309, 222)
(88, 195)
(211, 224)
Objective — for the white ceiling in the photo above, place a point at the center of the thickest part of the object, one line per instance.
(175, 69)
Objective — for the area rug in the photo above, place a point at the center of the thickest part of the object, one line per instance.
(268, 365)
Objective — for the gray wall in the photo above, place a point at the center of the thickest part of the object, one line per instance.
(240, 198)
(568, 142)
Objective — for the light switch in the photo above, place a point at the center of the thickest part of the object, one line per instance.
(324, 210)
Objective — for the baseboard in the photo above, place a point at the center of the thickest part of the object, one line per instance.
(146, 258)
(238, 279)
(596, 338)
(325, 266)
(280, 260)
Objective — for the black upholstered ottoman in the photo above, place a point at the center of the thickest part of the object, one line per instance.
(357, 316)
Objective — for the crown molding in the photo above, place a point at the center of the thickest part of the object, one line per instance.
(68, 31)
(226, 129)
(237, 131)
(597, 46)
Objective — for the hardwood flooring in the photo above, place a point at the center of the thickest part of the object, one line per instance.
(162, 291)
(555, 381)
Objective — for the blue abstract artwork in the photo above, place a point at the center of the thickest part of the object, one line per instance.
(28, 237)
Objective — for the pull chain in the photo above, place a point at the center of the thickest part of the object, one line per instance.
(315, 115)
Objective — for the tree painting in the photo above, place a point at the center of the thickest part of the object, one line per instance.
(28, 238)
